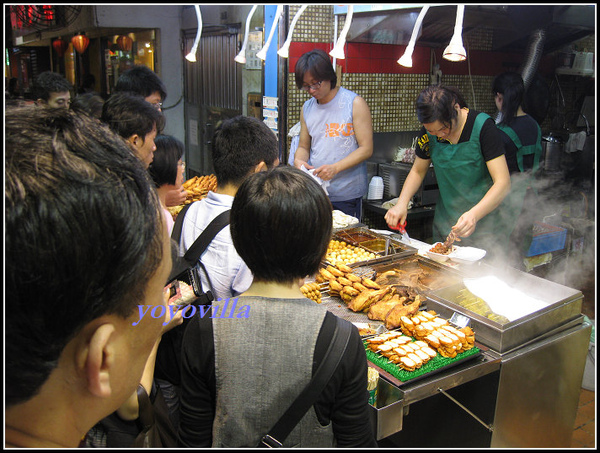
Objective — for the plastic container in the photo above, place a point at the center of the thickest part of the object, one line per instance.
(546, 239)
(375, 188)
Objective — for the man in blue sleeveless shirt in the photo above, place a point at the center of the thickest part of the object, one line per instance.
(336, 135)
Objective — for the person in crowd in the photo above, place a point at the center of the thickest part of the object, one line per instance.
(88, 84)
(281, 226)
(167, 169)
(336, 134)
(142, 80)
(241, 146)
(52, 89)
(468, 157)
(522, 139)
(135, 120)
(90, 103)
(74, 352)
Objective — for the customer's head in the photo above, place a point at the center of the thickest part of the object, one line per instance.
(508, 90)
(134, 119)
(281, 224)
(242, 146)
(143, 81)
(52, 89)
(85, 244)
(439, 103)
(318, 64)
(167, 167)
(88, 103)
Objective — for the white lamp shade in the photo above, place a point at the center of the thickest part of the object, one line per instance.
(284, 51)
(241, 57)
(192, 55)
(455, 50)
(262, 53)
(338, 49)
(406, 59)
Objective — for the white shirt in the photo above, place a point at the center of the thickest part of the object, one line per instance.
(228, 273)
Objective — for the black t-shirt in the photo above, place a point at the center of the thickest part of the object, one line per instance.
(489, 138)
(526, 129)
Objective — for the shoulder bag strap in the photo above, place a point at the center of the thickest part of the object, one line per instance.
(291, 417)
(217, 224)
(178, 225)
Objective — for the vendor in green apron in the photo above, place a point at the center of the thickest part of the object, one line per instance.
(522, 139)
(468, 158)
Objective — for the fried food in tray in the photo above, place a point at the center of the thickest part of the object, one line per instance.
(410, 350)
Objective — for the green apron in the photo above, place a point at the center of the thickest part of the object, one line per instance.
(463, 180)
(512, 205)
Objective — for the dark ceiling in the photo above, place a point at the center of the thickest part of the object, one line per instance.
(511, 25)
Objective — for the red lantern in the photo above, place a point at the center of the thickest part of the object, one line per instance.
(60, 47)
(80, 42)
(124, 43)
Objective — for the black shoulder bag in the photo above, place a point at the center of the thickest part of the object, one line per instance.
(185, 268)
(288, 421)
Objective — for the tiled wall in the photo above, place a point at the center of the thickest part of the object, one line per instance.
(371, 70)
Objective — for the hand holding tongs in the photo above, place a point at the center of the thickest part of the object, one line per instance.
(402, 229)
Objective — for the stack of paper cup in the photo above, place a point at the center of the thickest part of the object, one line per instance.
(375, 188)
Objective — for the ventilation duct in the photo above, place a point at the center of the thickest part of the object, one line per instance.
(534, 51)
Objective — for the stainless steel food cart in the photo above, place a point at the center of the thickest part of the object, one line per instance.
(521, 391)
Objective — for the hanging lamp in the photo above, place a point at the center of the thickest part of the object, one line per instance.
(285, 49)
(455, 50)
(80, 42)
(192, 55)
(124, 43)
(406, 59)
(262, 53)
(60, 46)
(241, 57)
(338, 49)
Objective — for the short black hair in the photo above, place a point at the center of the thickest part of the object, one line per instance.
(88, 103)
(316, 62)
(510, 85)
(83, 236)
(163, 169)
(128, 114)
(239, 144)
(436, 103)
(142, 80)
(281, 224)
(49, 82)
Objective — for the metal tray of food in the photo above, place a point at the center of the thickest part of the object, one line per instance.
(379, 244)
(546, 306)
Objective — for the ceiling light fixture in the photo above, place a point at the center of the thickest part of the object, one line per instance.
(406, 59)
(338, 49)
(285, 49)
(192, 55)
(455, 50)
(241, 57)
(262, 53)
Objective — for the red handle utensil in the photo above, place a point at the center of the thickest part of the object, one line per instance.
(402, 229)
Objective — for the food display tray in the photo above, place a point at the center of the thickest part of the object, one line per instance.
(436, 365)
(373, 242)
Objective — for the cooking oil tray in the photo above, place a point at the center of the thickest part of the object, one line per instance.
(560, 306)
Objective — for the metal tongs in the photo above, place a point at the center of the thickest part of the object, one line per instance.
(402, 229)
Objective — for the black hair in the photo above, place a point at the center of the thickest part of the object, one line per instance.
(436, 103)
(49, 82)
(281, 224)
(142, 80)
(83, 236)
(510, 85)
(128, 114)
(319, 65)
(163, 169)
(89, 103)
(239, 144)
